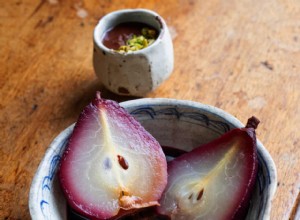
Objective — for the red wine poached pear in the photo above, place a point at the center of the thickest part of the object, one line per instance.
(215, 180)
(111, 163)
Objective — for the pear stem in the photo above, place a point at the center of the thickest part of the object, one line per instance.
(98, 95)
(252, 122)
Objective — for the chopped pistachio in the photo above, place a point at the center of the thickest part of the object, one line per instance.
(148, 33)
(139, 42)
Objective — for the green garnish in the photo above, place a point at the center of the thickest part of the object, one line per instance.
(139, 42)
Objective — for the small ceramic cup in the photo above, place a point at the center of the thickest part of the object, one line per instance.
(133, 73)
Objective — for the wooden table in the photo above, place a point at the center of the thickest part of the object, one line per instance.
(240, 55)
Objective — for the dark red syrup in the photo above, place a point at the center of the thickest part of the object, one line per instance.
(118, 35)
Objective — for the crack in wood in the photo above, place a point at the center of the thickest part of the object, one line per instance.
(37, 8)
(296, 208)
(43, 23)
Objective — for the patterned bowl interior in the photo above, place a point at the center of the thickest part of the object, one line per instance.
(181, 124)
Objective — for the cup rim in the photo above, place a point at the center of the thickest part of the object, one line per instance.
(98, 38)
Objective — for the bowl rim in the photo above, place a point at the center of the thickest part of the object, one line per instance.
(157, 102)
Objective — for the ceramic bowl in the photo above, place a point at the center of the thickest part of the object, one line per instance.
(173, 123)
(133, 73)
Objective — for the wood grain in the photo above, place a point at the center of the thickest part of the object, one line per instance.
(239, 55)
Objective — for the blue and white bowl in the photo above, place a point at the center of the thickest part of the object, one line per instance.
(173, 123)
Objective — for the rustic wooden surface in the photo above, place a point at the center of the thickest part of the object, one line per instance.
(239, 55)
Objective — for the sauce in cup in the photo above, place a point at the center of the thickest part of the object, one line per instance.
(129, 36)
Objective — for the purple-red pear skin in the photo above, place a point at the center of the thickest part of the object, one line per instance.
(215, 180)
(111, 163)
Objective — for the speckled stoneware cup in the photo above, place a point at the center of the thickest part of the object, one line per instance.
(182, 124)
(133, 73)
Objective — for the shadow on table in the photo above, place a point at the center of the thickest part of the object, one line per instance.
(88, 93)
